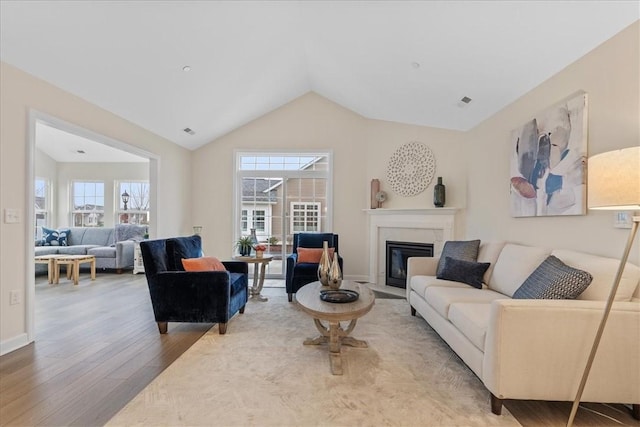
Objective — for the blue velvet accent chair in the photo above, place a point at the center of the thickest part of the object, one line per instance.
(300, 274)
(198, 296)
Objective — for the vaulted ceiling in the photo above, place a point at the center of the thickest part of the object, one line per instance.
(409, 62)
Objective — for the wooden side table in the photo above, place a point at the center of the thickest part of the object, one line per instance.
(50, 260)
(73, 266)
(258, 276)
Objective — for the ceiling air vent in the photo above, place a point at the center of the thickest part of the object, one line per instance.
(464, 101)
(189, 131)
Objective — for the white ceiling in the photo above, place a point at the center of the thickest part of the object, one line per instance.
(67, 147)
(249, 58)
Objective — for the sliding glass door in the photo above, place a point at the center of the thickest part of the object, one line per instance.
(281, 194)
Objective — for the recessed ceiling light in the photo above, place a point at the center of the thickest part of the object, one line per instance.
(186, 68)
(415, 65)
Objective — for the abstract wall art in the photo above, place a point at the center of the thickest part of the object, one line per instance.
(548, 171)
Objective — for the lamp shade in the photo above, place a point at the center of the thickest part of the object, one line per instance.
(614, 180)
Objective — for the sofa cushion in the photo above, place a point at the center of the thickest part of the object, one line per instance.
(238, 282)
(102, 252)
(419, 284)
(462, 250)
(46, 250)
(472, 320)
(76, 250)
(489, 252)
(440, 298)
(514, 265)
(53, 237)
(553, 279)
(99, 236)
(603, 270)
(468, 272)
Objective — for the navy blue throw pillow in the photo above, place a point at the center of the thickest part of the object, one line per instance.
(461, 250)
(553, 279)
(468, 272)
(51, 237)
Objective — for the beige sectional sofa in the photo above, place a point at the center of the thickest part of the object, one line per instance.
(536, 349)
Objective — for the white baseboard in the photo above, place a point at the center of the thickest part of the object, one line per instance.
(12, 344)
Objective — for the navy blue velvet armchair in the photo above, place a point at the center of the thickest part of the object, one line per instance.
(197, 297)
(302, 273)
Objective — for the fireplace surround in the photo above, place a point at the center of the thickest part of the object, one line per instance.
(434, 225)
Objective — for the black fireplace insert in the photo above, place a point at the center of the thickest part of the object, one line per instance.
(397, 255)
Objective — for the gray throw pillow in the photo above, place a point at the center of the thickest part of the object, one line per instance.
(553, 279)
(467, 272)
(460, 250)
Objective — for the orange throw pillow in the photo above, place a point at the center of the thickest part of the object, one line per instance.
(205, 263)
(312, 255)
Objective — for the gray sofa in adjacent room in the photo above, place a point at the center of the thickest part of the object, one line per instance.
(112, 247)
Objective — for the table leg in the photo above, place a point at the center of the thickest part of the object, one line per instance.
(258, 282)
(76, 272)
(93, 268)
(56, 272)
(335, 336)
(50, 267)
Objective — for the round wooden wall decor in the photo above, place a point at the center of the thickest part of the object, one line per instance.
(411, 169)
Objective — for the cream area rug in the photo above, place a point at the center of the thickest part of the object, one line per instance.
(260, 374)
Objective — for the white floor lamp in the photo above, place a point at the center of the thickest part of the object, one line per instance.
(614, 184)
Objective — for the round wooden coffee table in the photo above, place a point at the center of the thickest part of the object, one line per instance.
(308, 297)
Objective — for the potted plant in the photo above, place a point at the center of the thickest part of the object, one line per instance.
(244, 245)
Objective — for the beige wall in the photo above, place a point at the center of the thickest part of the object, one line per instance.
(22, 92)
(610, 76)
(361, 150)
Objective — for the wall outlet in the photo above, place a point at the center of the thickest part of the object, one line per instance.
(14, 297)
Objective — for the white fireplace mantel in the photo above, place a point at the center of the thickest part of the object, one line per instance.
(431, 225)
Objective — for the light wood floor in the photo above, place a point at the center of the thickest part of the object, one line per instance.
(97, 346)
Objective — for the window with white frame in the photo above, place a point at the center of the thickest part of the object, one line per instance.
(42, 204)
(305, 216)
(88, 203)
(136, 208)
(255, 218)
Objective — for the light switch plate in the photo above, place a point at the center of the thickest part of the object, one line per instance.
(622, 219)
(11, 216)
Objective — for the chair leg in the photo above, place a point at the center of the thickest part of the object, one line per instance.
(635, 411)
(222, 327)
(242, 309)
(413, 311)
(290, 296)
(162, 327)
(496, 405)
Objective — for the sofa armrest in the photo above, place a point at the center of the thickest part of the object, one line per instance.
(236, 266)
(124, 254)
(537, 349)
(420, 266)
